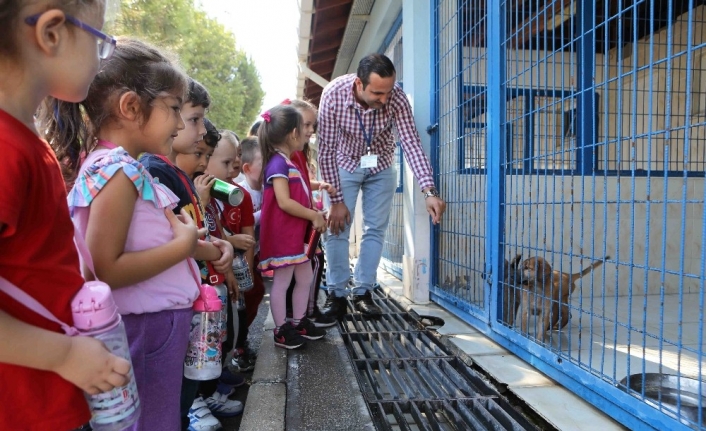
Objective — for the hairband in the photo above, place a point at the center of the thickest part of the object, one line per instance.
(286, 102)
(266, 116)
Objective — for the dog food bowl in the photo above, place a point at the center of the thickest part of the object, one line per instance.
(678, 397)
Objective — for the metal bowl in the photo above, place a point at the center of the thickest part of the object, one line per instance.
(676, 396)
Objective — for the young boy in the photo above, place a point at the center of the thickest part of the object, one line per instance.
(219, 253)
(251, 159)
(238, 222)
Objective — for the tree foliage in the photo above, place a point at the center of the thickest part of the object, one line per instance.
(206, 50)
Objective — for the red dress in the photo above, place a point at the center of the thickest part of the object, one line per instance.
(282, 236)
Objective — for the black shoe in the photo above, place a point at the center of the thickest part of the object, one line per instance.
(335, 307)
(320, 320)
(242, 360)
(365, 304)
(308, 330)
(287, 337)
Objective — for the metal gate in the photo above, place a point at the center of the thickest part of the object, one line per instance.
(571, 140)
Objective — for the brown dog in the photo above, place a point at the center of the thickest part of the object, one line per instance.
(551, 289)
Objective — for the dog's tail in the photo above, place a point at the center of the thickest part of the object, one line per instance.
(594, 265)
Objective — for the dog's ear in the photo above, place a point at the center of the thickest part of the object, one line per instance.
(544, 268)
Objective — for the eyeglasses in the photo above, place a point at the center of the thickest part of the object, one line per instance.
(106, 44)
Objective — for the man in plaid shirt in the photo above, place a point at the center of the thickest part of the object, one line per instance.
(358, 117)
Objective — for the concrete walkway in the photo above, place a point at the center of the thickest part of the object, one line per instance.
(308, 389)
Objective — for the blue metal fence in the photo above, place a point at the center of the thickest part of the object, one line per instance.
(393, 247)
(573, 135)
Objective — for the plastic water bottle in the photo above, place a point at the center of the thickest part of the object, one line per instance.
(222, 292)
(241, 269)
(203, 358)
(96, 315)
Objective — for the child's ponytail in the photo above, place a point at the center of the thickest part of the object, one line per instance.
(64, 126)
(277, 123)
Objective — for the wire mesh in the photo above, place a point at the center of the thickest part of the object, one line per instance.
(461, 137)
(603, 153)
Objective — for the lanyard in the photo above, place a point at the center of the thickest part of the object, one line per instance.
(368, 137)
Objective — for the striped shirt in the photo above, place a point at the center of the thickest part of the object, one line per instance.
(342, 141)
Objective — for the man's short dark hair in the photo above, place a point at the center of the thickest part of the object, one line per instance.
(374, 63)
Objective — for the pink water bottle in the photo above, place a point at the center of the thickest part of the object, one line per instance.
(96, 315)
(203, 358)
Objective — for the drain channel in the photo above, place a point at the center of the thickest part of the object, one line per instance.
(410, 381)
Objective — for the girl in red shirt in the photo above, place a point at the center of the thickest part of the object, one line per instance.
(47, 48)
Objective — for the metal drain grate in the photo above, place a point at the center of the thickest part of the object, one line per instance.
(411, 382)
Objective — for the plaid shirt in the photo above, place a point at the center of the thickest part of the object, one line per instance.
(342, 142)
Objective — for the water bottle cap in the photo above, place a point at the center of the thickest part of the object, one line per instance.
(93, 307)
(208, 299)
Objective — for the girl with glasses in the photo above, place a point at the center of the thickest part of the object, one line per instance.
(43, 52)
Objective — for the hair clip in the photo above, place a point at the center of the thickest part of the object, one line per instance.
(286, 102)
(266, 116)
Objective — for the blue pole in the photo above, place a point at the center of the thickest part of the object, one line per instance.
(497, 101)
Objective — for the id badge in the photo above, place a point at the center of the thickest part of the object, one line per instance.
(368, 162)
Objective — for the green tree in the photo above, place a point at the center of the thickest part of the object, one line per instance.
(206, 50)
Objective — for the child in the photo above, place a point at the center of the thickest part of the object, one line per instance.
(301, 160)
(251, 158)
(42, 54)
(254, 128)
(238, 221)
(194, 412)
(216, 391)
(251, 162)
(138, 245)
(286, 213)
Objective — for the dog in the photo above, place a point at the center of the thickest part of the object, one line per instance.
(552, 289)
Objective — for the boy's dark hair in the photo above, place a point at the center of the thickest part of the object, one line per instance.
(249, 147)
(278, 123)
(198, 95)
(212, 135)
(71, 128)
(254, 128)
(374, 63)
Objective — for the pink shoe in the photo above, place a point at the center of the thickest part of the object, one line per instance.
(268, 274)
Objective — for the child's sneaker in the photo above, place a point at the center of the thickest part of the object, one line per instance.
(242, 360)
(223, 407)
(308, 330)
(288, 337)
(321, 321)
(201, 418)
